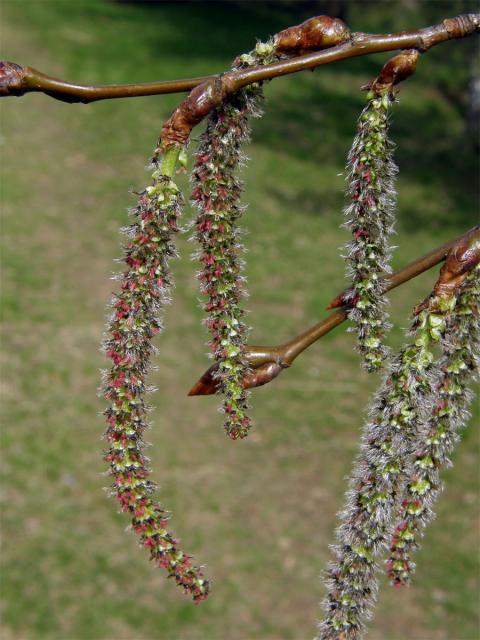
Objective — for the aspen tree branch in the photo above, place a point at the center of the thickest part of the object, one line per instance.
(16, 80)
(268, 362)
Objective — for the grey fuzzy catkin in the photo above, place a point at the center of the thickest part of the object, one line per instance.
(377, 480)
(458, 367)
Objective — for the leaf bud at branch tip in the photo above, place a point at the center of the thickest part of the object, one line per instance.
(263, 374)
(340, 300)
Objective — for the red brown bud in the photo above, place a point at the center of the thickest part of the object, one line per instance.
(207, 384)
(338, 301)
(260, 376)
(461, 259)
(200, 101)
(320, 32)
(395, 70)
(11, 79)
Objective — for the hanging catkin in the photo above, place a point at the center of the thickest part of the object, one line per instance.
(438, 435)
(135, 320)
(389, 442)
(370, 213)
(216, 191)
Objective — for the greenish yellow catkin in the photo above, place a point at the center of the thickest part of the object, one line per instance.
(387, 442)
(438, 435)
(145, 285)
(216, 192)
(370, 218)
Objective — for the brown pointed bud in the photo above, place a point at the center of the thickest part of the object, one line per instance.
(207, 384)
(461, 259)
(335, 303)
(395, 70)
(11, 79)
(343, 299)
(316, 33)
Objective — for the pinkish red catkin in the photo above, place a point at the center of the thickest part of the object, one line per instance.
(145, 286)
(370, 219)
(377, 480)
(216, 191)
(438, 435)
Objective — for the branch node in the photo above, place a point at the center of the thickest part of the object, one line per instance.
(462, 25)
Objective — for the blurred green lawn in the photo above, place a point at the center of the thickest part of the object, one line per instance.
(259, 513)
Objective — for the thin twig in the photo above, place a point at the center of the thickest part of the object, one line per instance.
(16, 80)
(268, 362)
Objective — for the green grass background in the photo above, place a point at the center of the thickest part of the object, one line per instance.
(259, 513)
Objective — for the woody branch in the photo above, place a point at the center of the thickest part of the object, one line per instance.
(16, 80)
(268, 362)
